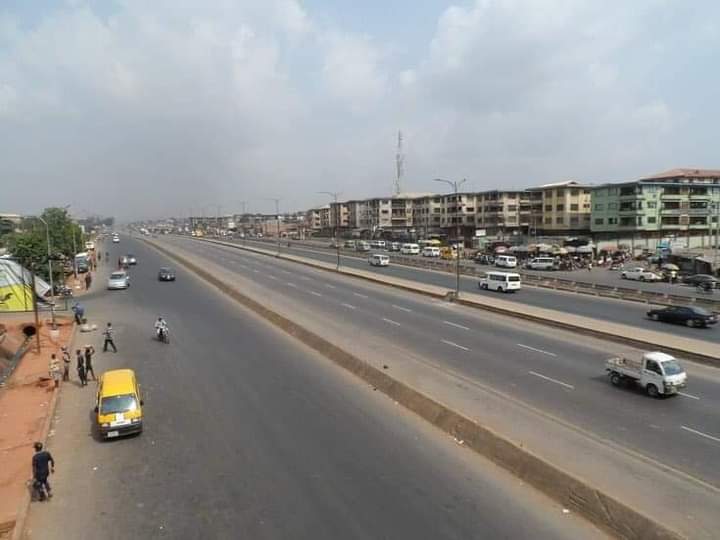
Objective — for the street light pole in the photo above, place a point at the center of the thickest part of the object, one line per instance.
(277, 220)
(335, 195)
(454, 184)
(52, 286)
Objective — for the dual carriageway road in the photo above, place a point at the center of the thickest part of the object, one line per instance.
(550, 370)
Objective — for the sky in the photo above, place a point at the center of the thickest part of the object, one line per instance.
(141, 109)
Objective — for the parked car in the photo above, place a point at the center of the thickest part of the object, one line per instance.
(394, 246)
(700, 279)
(349, 244)
(377, 244)
(687, 315)
(166, 274)
(506, 261)
(482, 258)
(639, 274)
(378, 259)
(431, 251)
(118, 280)
(410, 249)
(362, 246)
(542, 263)
(669, 271)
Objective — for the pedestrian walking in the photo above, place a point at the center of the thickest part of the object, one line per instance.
(66, 364)
(88, 280)
(108, 334)
(89, 351)
(79, 312)
(55, 371)
(42, 465)
(82, 374)
(589, 266)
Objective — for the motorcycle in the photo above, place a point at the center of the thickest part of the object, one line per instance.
(63, 291)
(162, 334)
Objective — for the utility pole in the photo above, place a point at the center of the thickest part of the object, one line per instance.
(335, 195)
(35, 308)
(52, 286)
(454, 184)
(277, 220)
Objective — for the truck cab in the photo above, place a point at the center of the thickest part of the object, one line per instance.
(658, 373)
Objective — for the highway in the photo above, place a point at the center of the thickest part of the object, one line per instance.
(550, 370)
(250, 435)
(632, 314)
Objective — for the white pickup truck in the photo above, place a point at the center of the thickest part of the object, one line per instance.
(658, 373)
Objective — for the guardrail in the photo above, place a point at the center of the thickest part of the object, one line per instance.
(535, 280)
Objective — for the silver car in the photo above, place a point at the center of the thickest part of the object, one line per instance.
(118, 280)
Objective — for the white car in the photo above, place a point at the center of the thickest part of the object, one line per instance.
(410, 249)
(378, 259)
(640, 274)
(541, 263)
(118, 280)
(431, 251)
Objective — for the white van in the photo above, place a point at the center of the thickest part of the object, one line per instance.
(431, 251)
(378, 259)
(362, 246)
(410, 249)
(506, 261)
(500, 281)
(542, 263)
(377, 244)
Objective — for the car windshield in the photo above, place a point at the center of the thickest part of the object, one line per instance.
(514, 278)
(117, 275)
(672, 367)
(700, 311)
(118, 404)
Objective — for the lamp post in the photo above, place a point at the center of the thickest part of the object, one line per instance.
(455, 184)
(335, 195)
(49, 255)
(277, 220)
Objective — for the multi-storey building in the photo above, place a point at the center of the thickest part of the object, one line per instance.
(679, 202)
(566, 208)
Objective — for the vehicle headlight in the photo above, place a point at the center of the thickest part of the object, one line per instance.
(105, 425)
(135, 420)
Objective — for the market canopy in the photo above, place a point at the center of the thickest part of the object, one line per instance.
(16, 287)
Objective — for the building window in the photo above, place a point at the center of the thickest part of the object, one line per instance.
(626, 221)
(599, 221)
(574, 208)
(697, 205)
(600, 207)
(560, 207)
(548, 207)
(651, 219)
(671, 220)
(548, 221)
(651, 204)
(559, 192)
(671, 190)
(612, 221)
(627, 190)
(512, 208)
(698, 220)
(470, 209)
(671, 205)
(612, 206)
(560, 220)
(586, 192)
(384, 211)
(574, 220)
(586, 206)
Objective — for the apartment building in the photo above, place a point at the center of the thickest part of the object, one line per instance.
(566, 208)
(678, 202)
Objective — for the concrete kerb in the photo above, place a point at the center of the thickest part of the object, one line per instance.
(439, 292)
(19, 527)
(603, 510)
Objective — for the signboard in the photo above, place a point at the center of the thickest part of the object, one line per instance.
(480, 232)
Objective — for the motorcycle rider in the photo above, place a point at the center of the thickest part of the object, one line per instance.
(161, 328)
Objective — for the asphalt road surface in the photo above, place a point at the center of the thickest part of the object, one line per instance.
(632, 314)
(250, 435)
(549, 369)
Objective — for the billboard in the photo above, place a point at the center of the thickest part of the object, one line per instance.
(16, 287)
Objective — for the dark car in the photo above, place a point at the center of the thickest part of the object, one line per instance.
(690, 316)
(166, 274)
(700, 279)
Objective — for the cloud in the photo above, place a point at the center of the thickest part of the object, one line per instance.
(144, 108)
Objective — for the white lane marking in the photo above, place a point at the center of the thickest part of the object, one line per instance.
(329, 286)
(305, 278)
(349, 306)
(696, 432)
(452, 344)
(271, 276)
(285, 271)
(456, 325)
(566, 385)
(390, 321)
(289, 284)
(688, 395)
(360, 295)
(534, 349)
(315, 293)
(256, 271)
(242, 266)
(406, 310)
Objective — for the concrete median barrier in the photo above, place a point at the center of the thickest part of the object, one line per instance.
(609, 513)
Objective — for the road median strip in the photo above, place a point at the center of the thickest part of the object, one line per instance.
(574, 493)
